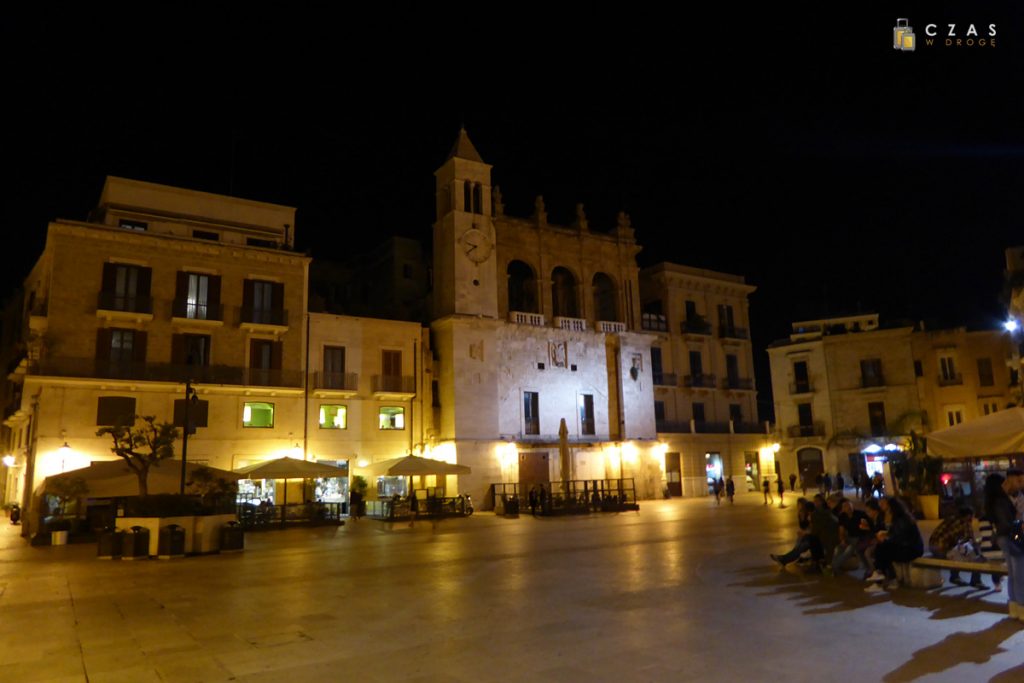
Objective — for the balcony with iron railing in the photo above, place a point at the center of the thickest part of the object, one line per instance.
(699, 381)
(124, 303)
(801, 431)
(336, 381)
(197, 310)
(249, 315)
(166, 372)
(871, 381)
(740, 427)
(394, 385)
(801, 388)
(705, 427)
(672, 426)
(664, 379)
(738, 383)
(695, 326)
(732, 332)
(951, 380)
(654, 322)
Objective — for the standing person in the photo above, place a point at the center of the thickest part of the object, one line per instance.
(826, 483)
(781, 490)
(730, 490)
(900, 542)
(766, 486)
(717, 486)
(1000, 510)
(856, 485)
(792, 482)
(840, 483)
(533, 500)
(803, 483)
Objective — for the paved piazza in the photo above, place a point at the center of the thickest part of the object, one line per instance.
(680, 591)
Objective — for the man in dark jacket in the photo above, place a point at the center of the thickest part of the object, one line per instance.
(825, 527)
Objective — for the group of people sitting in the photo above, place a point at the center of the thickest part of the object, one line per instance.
(834, 532)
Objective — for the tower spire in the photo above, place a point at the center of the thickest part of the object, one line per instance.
(463, 148)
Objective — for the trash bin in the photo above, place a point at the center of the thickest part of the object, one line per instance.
(172, 542)
(232, 538)
(512, 506)
(135, 544)
(108, 546)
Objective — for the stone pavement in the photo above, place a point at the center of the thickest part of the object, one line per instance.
(682, 590)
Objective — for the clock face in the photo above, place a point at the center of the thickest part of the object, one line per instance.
(476, 245)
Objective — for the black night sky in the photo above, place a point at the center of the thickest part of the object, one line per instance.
(836, 173)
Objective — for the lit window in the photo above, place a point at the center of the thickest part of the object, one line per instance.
(258, 415)
(333, 417)
(392, 418)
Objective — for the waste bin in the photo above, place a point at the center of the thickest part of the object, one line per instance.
(135, 544)
(172, 542)
(108, 546)
(512, 506)
(232, 538)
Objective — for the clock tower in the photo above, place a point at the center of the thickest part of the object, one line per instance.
(465, 270)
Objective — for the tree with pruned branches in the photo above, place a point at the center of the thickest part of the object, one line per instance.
(142, 444)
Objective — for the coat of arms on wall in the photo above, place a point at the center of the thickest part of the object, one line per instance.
(559, 353)
(637, 367)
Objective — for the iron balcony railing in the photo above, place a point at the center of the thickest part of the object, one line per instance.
(748, 427)
(731, 332)
(704, 427)
(952, 380)
(665, 379)
(340, 381)
(167, 372)
(195, 310)
(396, 384)
(706, 381)
(738, 383)
(695, 327)
(128, 303)
(797, 431)
(672, 426)
(263, 316)
(801, 388)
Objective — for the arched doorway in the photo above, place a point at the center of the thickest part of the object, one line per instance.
(605, 299)
(563, 293)
(810, 464)
(522, 287)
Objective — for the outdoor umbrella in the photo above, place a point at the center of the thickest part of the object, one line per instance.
(288, 468)
(413, 465)
(564, 459)
(114, 479)
(1000, 433)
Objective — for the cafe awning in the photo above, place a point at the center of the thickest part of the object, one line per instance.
(289, 468)
(1000, 433)
(412, 465)
(114, 479)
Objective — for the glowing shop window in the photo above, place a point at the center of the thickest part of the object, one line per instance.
(258, 415)
(392, 418)
(333, 417)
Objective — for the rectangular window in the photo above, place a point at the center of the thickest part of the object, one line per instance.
(198, 297)
(261, 354)
(197, 350)
(113, 410)
(126, 288)
(871, 372)
(990, 407)
(586, 406)
(334, 367)
(256, 414)
(725, 316)
(876, 417)
(128, 224)
(732, 369)
(803, 411)
(947, 369)
(392, 417)
(659, 411)
(985, 376)
(263, 302)
(122, 346)
(531, 412)
(736, 412)
(918, 370)
(656, 370)
(696, 365)
(691, 311)
(391, 363)
(801, 378)
(333, 417)
(954, 417)
(206, 235)
(698, 412)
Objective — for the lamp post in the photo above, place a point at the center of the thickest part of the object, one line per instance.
(190, 398)
(1013, 327)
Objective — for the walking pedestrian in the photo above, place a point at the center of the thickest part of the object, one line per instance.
(730, 490)
(1000, 509)
(826, 483)
(792, 482)
(840, 483)
(717, 487)
(766, 486)
(781, 491)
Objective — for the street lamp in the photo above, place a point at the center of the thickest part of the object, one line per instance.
(190, 400)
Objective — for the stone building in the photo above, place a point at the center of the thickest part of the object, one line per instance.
(536, 323)
(848, 388)
(705, 399)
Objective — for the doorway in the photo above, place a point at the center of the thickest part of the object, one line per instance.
(713, 465)
(809, 462)
(534, 470)
(674, 474)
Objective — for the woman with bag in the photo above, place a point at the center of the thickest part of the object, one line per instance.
(999, 508)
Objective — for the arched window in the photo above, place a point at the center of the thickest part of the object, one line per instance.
(478, 198)
(522, 288)
(563, 293)
(605, 299)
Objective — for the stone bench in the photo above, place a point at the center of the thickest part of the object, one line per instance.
(987, 567)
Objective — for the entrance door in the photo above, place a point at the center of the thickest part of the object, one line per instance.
(713, 466)
(809, 462)
(674, 474)
(534, 469)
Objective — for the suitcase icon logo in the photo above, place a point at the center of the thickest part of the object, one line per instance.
(903, 36)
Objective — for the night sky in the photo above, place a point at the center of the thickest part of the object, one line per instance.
(835, 173)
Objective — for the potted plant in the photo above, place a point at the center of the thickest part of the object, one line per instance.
(918, 475)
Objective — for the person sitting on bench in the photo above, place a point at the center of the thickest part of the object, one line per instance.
(956, 529)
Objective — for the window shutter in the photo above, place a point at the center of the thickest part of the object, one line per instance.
(181, 288)
(247, 295)
(278, 297)
(109, 283)
(213, 293)
(276, 350)
(139, 347)
(145, 280)
(178, 349)
(103, 344)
